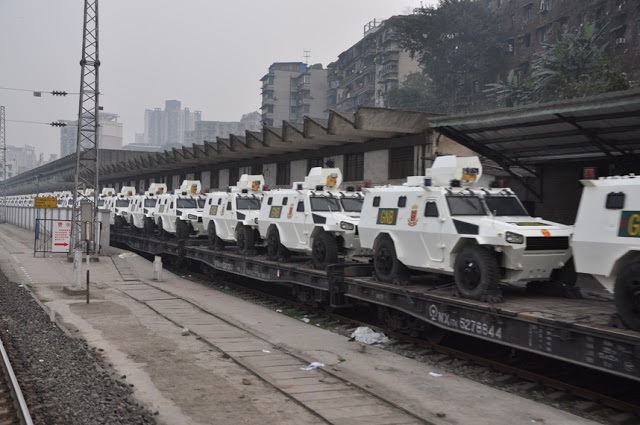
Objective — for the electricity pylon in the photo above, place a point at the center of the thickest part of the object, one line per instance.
(86, 177)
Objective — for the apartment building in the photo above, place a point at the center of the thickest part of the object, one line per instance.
(109, 134)
(526, 26)
(293, 90)
(169, 125)
(365, 72)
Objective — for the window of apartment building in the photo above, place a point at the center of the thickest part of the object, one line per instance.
(401, 162)
(314, 162)
(543, 34)
(510, 47)
(234, 175)
(306, 79)
(564, 25)
(354, 166)
(293, 109)
(499, 3)
(525, 40)
(475, 87)
(283, 173)
(527, 12)
(545, 5)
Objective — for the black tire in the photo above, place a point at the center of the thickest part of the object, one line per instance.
(386, 264)
(161, 232)
(182, 229)
(475, 272)
(324, 250)
(245, 240)
(119, 222)
(149, 226)
(627, 296)
(275, 250)
(565, 275)
(215, 242)
(133, 228)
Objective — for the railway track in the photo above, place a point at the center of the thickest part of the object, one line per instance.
(13, 408)
(553, 382)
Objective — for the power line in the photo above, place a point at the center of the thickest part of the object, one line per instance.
(37, 93)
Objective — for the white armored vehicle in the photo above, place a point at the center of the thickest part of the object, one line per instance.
(232, 216)
(180, 213)
(606, 242)
(314, 217)
(142, 207)
(120, 208)
(442, 223)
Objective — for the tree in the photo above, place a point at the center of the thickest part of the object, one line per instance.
(576, 65)
(452, 42)
(414, 94)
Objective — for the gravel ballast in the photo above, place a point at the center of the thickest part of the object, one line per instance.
(64, 381)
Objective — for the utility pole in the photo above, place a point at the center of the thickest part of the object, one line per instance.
(3, 159)
(86, 177)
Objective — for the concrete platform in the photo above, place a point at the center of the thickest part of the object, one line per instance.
(190, 379)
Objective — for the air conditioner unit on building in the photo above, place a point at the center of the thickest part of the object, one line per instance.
(620, 40)
(544, 6)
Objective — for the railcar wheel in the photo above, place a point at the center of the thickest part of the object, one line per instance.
(324, 250)
(149, 226)
(245, 240)
(275, 250)
(627, 296)
(476, 270)
(215, 242)
(386, 264)
(182, 229)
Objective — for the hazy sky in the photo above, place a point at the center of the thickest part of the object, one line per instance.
(209, 54)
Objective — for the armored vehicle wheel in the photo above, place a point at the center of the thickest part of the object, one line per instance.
(119, 222)
(627, 295)
(182, 229)
(476, 270)
(161, 232)
(149, 226)
(215, 242)
(386, 264)
(245, 240)
(275, 250)
(324, 250)
(566, 275)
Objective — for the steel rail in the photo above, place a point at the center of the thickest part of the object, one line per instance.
(23, 411)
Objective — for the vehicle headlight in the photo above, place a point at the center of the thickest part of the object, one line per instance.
(192, 217)
(513, 237)
(345, 225)
(124, 213)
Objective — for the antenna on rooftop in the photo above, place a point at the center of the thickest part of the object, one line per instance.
(307, 55)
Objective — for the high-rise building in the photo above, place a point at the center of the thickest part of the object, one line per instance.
(291, 90)
(169, 126)
(109, 134)
(22, 158)
(365, 72)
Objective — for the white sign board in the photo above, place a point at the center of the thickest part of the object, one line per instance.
(61, 236)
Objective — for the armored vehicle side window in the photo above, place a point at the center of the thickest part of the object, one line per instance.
(219, 201)
(187, 203)
(269, 201)
(150, 203)
(285, 200)
(122, 203)
(352, 204)
(465, 205)
(321, 203)
(300, 206)
(229, 208)
(615, 201)
(248, 203)
(402, 201)
(376, 201)
(100, 203)
(201, 203)
(505, 205)
(431, 209)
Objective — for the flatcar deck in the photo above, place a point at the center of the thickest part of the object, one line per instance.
(574, 330)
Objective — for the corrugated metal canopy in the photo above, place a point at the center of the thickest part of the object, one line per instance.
(599, 127)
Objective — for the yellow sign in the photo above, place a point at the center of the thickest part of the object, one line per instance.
(45, 203)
